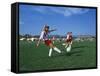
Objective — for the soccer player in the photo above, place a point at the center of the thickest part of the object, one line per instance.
(68, 42)
(44, 36)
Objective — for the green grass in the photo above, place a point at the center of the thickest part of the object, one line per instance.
(82, 55)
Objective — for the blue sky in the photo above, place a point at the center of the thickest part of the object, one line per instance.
(80, 21)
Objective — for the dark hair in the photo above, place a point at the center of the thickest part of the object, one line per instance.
(47, 26)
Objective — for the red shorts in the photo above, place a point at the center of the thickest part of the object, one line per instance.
(69, 40)
(48, 42)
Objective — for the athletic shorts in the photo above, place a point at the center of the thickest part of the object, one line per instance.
(69, 40)
(48, 42)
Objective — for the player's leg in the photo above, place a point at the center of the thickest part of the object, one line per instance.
(71, 42)
(50, 51)
(66, 45)
(55, 48)
(49, 43)
(68, 49)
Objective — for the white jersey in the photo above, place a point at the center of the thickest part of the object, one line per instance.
(68, 36)
(44, 36)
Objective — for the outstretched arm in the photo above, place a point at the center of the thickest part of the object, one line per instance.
(41, 37)
(52, 30)
(38, 42)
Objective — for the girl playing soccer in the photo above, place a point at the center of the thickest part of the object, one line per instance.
(68, 41)
(44, 37)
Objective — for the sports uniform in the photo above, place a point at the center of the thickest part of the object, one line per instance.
(44, 36)
(69, 41)
(69, 38)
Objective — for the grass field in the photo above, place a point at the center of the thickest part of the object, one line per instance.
(82, 55)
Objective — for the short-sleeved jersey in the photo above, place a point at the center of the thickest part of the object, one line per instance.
(69, 37)
(44, 35)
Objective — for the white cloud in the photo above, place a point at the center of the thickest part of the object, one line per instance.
(78, 10)
(65, 11)
(40, 9)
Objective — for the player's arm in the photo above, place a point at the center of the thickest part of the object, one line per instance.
(52, 30)
(38, 42)
(41, 37)
(67, 37)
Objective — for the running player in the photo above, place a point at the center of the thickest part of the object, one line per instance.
(68, 41)
(44, 36)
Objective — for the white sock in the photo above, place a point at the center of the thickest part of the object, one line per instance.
(66, 45)
(70, 45)
(50, 51)
(56, 49)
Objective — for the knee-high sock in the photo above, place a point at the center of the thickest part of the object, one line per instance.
(50, 51)
(56, 49)
(66, 45)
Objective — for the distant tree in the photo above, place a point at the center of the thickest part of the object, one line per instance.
(27, 36)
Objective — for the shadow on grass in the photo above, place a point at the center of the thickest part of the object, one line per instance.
(64, 53)
(74, 52)
(79, 47)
